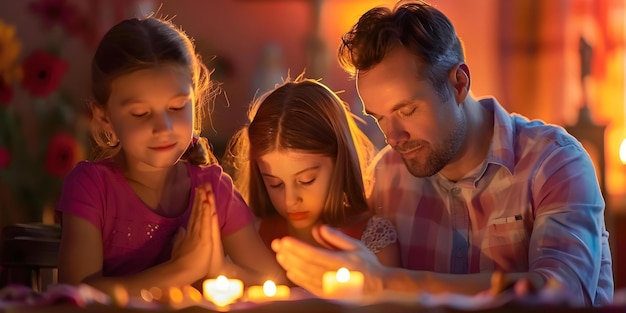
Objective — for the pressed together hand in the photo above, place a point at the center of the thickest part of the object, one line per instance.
(199, 247)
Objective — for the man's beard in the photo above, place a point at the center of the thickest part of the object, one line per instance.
(437, 157)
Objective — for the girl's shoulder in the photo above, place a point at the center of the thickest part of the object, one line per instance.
(379, 233)
(105, 169)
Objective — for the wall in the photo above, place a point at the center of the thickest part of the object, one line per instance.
(237, 30)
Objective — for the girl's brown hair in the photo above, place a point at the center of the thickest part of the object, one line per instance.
(137, 44)
(306, 116)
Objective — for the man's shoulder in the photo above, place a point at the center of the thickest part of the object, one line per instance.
(541, 133)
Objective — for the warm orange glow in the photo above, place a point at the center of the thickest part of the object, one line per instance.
(342, 284)
(268, 292)
(120, 295)
(175, 295)
(192, 293)
(622, 151)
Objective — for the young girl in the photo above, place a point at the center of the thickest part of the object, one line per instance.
(300, 164)
(124, 215)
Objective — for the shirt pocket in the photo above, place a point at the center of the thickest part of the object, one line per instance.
(505, 246)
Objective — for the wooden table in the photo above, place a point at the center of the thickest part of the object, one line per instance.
(316, 305)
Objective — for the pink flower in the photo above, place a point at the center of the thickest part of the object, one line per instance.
(6, 92)
(53, 11)
(5, 157)
(43, 73)
(63, 153)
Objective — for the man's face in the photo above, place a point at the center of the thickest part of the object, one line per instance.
(424, 128)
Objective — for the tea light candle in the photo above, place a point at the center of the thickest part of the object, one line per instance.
(342, 284)
(268, 292)
(222, 291)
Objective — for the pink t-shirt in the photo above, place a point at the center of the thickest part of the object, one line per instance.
(134, 236)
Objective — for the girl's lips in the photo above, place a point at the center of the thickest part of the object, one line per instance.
(296, 216)
(166, 147)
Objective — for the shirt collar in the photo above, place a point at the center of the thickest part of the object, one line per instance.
(501, 150)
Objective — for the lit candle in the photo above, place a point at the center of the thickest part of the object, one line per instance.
(222, 291)
(342, 284)
(268, 292)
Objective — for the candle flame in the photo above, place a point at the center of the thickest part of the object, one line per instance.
(269, 288)
(221, 283)
(343, 275)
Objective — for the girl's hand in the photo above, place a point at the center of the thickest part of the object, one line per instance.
(306, 264)
(199, 248)
(216, 259)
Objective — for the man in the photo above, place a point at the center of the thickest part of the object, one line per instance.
(472, 190)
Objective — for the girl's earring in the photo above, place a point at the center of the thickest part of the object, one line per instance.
(346, 204)
(111, 140)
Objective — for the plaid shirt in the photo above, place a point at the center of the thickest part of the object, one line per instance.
(534, 204)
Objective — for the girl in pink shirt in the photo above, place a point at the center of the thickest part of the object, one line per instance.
(154, 209)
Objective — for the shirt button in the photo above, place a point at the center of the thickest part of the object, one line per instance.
(455, 191)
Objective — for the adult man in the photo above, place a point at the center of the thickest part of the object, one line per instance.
(472, 189)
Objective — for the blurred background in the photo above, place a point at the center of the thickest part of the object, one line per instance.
(562, 61)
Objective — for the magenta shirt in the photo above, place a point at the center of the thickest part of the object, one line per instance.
(134, 236)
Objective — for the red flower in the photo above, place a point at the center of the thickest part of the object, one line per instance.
(43, 73)
(6, 92)
(53, 11)
(5, 157)
(62, 155)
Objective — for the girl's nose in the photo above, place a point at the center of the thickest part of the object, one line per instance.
(292, 196)
(162, 123)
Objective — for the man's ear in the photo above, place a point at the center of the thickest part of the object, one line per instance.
(460, 79)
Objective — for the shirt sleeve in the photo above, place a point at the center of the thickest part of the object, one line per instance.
(569, 241)
(378, 234)
(81, 194)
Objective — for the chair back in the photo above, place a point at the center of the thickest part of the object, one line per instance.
(30, 254)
